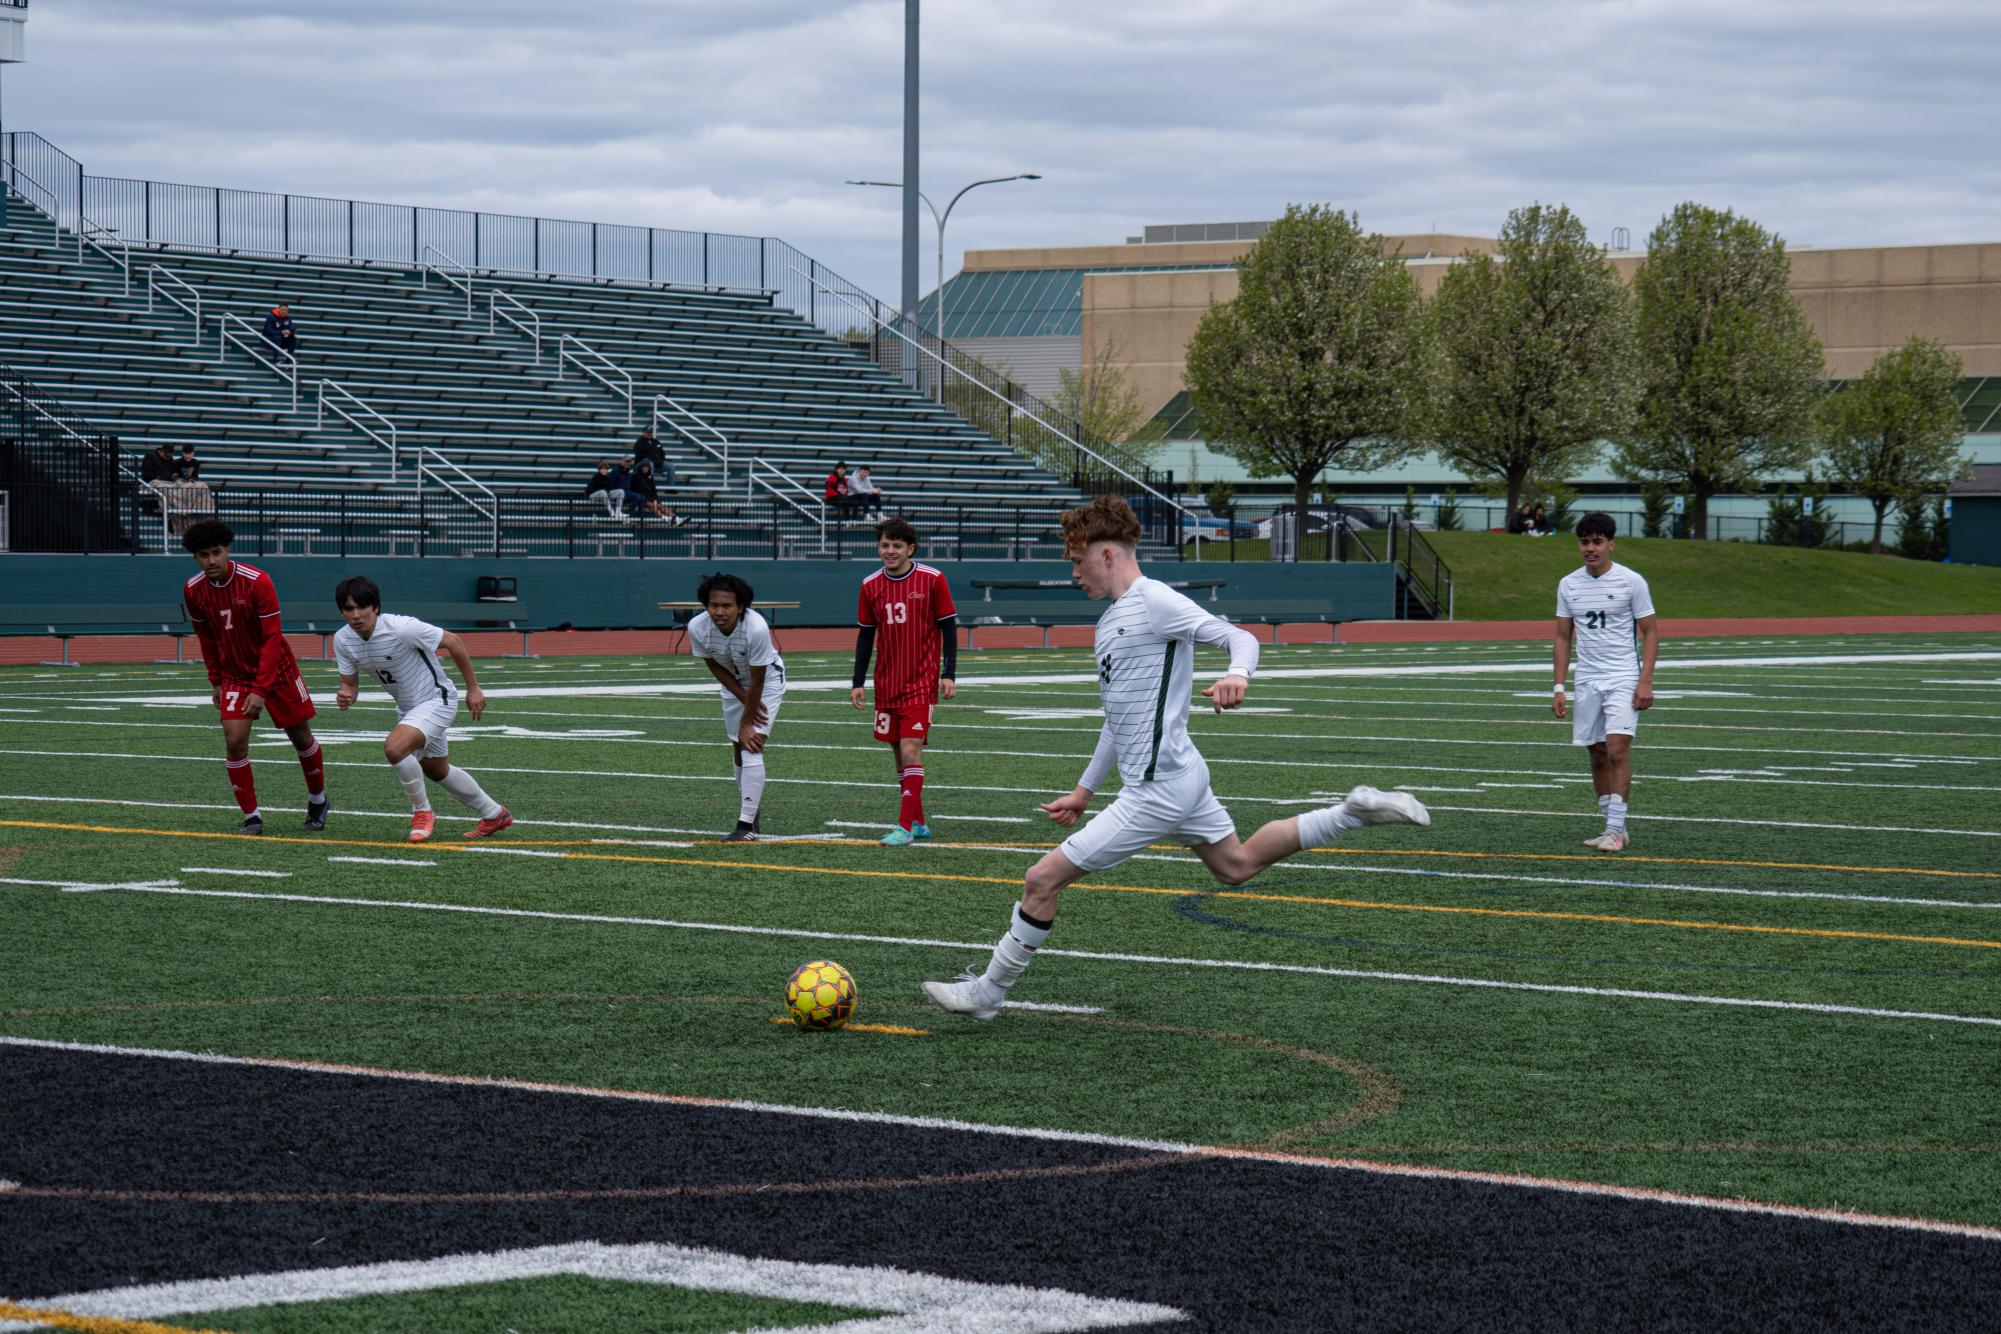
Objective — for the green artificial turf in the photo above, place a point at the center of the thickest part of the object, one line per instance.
(1809, 834)
(559, 1304)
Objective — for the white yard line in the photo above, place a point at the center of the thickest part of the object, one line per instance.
(383, 861)
(1146, 960)
(226, 870)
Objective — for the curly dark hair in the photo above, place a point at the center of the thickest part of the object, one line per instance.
(207, 534)
(728, 583)
(358, 589)
(897, 527)
(1597, 524)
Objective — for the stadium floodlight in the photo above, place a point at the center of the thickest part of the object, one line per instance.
(940, 218)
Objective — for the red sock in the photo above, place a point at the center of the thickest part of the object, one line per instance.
(315, 768)
(911, 811)
(241, 783)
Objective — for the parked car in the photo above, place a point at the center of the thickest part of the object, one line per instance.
(1320, 518)
(1212, 528)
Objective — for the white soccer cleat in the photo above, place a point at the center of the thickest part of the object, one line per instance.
(1368, 806)
(966, 996)
(1612, 840)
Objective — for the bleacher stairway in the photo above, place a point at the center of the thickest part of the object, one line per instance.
(757, 404)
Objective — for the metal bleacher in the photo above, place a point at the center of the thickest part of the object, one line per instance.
(491, 388)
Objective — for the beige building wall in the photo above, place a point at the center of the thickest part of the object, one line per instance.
(1862, 302)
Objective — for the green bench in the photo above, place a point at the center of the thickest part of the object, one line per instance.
(66, 620)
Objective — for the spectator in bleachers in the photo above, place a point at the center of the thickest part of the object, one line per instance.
(838, 497)
(279, 333)
(608, 484)
(187, 464)
(158, 466)
(863, 494)
(647, 449)
(642, 497)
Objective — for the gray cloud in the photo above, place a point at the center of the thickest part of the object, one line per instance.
(1833, 123)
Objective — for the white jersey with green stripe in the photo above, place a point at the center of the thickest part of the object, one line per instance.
(1146, 676)
(402, 653)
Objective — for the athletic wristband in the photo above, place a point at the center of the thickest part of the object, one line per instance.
(1559, 688)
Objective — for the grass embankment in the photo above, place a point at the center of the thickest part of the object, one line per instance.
(1503, 578)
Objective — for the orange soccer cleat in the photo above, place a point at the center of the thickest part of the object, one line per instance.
(421, 825)
(491, 826)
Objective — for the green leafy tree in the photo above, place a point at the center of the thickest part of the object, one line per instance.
(1896, 433)
(1221, 495)
(1730, 371)
(1447, 517)
(1925, 530)
(1323, 355)
(1100, 398)
(1535, 352)
(1656, 509)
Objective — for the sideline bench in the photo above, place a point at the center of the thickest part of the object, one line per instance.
(66, 620)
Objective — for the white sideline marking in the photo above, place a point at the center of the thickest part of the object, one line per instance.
(1052, 1007)
(987, 819)
(502, 852)
(1151, 960)
(86, 886)
(383, 861)
(1972, 1230)
(1728, 819)
(921, 1302)
(644, 842)
(227, 870)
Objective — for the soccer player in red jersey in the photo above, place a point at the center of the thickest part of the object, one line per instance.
(234, 610)
(907, 619)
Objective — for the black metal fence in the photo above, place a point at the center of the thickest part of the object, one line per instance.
(60, 476)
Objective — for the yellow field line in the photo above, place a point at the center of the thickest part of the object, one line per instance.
(898, 1029)
(50, 1318)
(878, 873)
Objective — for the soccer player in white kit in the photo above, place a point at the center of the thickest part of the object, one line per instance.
(1600, 609)
(1145, 649)
(736, 643)
(401, 653)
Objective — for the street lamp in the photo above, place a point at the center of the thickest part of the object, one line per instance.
(940, 218)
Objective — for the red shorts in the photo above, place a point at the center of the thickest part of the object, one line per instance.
(908, 720)
(286, 705)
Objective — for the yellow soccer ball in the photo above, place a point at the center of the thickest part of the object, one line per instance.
(820, 995)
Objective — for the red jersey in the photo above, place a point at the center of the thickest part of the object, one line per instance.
(905, 610)
(238, 624)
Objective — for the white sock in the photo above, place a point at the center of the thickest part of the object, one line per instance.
(1605, 802)
(1013, 954)
(467, 789)
(1319, 828)
(1615, 813)
(410, 773)
(750, 788)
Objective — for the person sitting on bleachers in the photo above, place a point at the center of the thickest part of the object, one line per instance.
(837, 498)
(278, 332)
(647, 449)
(608, 484)
(863, 494)
(642, 497)
(158, 466)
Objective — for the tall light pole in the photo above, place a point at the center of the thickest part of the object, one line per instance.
(940, 219)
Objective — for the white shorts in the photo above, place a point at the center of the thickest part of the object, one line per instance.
(433, 720)
(1179, 808)
(1603, 707)
(774, 695)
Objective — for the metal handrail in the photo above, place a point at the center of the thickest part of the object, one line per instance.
(692, 431)
(388, 442)
(490, 510)
(528, 322)
(563, 352)
(155, 276)
(88, 229)
(254, 343)
(444, 275)
(813, 509)
(1060, 434)
(117, 460)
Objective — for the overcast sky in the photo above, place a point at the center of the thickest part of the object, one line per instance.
(1832, 123)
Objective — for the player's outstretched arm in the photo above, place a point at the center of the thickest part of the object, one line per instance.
(475, 697)
(1227, 692)
(350, 687)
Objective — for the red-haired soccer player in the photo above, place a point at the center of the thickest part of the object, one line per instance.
(234, 609)
(908, 621)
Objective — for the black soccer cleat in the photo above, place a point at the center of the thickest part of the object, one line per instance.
(743, 833)
(252, 824)
(316, 814)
